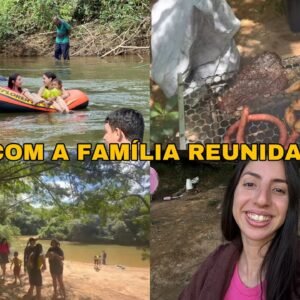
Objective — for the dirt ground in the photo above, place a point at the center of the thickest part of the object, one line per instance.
(83, 282)
(263, 28)
(183, 232)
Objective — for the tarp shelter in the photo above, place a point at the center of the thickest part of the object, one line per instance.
(192, 37)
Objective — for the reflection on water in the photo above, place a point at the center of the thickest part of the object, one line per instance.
(116, 255)
(110, 84)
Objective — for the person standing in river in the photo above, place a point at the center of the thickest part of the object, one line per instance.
(62, 41)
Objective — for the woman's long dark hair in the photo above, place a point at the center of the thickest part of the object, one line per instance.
(280, 263)
(3, 240)
(38, 249)
(12, 81)
(50, 75)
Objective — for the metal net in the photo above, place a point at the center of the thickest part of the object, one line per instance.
(205, 122)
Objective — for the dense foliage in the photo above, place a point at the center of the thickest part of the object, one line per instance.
(30, 16)
(76, 201)
(54, 223)
(165, 122)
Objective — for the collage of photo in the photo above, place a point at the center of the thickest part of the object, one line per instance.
(156, 73)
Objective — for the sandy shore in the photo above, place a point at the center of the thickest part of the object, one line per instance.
(82, 281)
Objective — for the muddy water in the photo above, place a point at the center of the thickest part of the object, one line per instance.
(77, 252)
(110, 84)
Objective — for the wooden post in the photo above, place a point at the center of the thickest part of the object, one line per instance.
(182, 141)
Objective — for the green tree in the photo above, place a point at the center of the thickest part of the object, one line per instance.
(74, 193)
(31, 16)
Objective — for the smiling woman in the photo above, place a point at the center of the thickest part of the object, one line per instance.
(261, 201)
(260, 222)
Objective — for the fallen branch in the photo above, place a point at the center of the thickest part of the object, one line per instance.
(92, 39)
(135, 47)
(46, 33)
(127, 40)
(114, 49)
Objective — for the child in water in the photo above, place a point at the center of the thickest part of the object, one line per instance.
(54, 96)
(17, 263)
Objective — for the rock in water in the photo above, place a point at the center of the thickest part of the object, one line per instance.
(265, 76)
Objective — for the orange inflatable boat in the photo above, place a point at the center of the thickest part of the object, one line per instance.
(11, 101)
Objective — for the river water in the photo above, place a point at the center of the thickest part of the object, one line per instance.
(116, 255)
(110, 83)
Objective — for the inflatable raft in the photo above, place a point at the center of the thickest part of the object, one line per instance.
(11, 101)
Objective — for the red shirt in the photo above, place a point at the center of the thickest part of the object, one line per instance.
(4, 249)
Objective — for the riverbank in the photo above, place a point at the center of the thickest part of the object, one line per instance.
(82, 281)
(90, 39)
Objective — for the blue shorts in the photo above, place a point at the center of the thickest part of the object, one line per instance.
(62, 50)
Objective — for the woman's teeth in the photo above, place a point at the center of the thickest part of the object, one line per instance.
(258, 218)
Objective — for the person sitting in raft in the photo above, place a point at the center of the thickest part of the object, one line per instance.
(47, 79)
(54, 95)
(261, 260)
(15, 83)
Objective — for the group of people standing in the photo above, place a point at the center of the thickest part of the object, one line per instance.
(51, 93)
(100, 259)
(35, 264)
